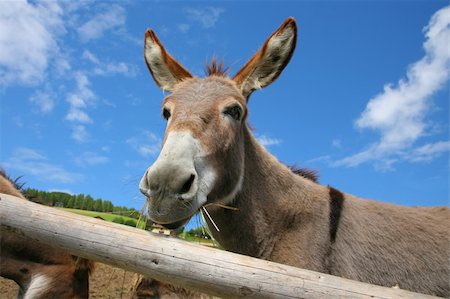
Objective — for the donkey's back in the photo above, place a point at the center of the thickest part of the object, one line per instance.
(391, 245)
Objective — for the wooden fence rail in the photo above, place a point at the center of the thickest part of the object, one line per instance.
(175, 261)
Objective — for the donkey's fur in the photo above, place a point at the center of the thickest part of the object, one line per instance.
(280, 216)
(146, 288)
(374, 242)
(39, 270)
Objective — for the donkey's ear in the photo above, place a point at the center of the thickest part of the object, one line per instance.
(166, 71)
(268, 63)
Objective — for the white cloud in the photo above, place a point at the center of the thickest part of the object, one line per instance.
(111, 18)
(32, 51)
(399, 112)
(183, 28)
(88, 55)
(30, 162)
(78, 115)
(113, 68)
(28, 40)
(28, 154)
(62, 64)
(44, 100)
(430, 151)
(147, 144)
(82, 96)
(79, 133)
(336, 143)
(207, 17)
(326, 159)
(110, 68)
(268, 141)
(79, 99)
(90, 159)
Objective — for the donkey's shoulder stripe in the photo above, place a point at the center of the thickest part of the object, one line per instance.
(336, 205)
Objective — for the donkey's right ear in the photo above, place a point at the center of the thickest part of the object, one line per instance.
(166, 71)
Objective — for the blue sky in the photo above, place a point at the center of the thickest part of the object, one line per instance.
(365, 99)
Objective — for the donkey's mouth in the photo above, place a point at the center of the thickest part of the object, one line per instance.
(173, 223)
(176, 217)
(171, 212)
(167, 223)
(176, 224)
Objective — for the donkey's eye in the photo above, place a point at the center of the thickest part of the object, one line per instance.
(166, 113)
(234, 111)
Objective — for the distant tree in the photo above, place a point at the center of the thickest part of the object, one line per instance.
(31, 194)
(71, 202)
(79, 201)
(120, 210)
(107, 206)
(98, 205)
(62, 198)
(50, 199)
(87, 199)
(88, 203)
(83, 204)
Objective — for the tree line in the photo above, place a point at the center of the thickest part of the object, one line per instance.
(78, 201)
(199, 232)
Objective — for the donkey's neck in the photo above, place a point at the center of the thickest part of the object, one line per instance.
(271, 201)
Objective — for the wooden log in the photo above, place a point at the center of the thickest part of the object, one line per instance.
(175, 261)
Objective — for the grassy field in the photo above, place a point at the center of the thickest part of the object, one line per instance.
(195, 239)
(113, 218)
(106, 216)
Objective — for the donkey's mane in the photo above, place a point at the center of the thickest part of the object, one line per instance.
(216, 68)
(310, 174)
(15, 182)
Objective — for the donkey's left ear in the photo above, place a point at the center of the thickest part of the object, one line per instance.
(166, 71)
(268, 63)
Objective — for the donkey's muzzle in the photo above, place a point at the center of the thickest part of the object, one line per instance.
(170, 192)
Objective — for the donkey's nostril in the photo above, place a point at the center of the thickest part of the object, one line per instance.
(144, 191)
(143, 185)
(187, 185)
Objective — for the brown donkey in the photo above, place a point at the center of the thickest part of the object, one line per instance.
(40, 270)
(209, 155)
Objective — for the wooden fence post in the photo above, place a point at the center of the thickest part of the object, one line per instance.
(175, 261)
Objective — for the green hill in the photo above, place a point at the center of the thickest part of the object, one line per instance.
(108, 217)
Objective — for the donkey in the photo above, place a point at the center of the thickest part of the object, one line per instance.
(210, 156)
(40, 271)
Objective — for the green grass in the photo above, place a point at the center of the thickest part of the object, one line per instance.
(191, 238)
(106, 216)
(110, 217)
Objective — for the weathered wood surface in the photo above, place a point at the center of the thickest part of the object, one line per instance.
(171, 260)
